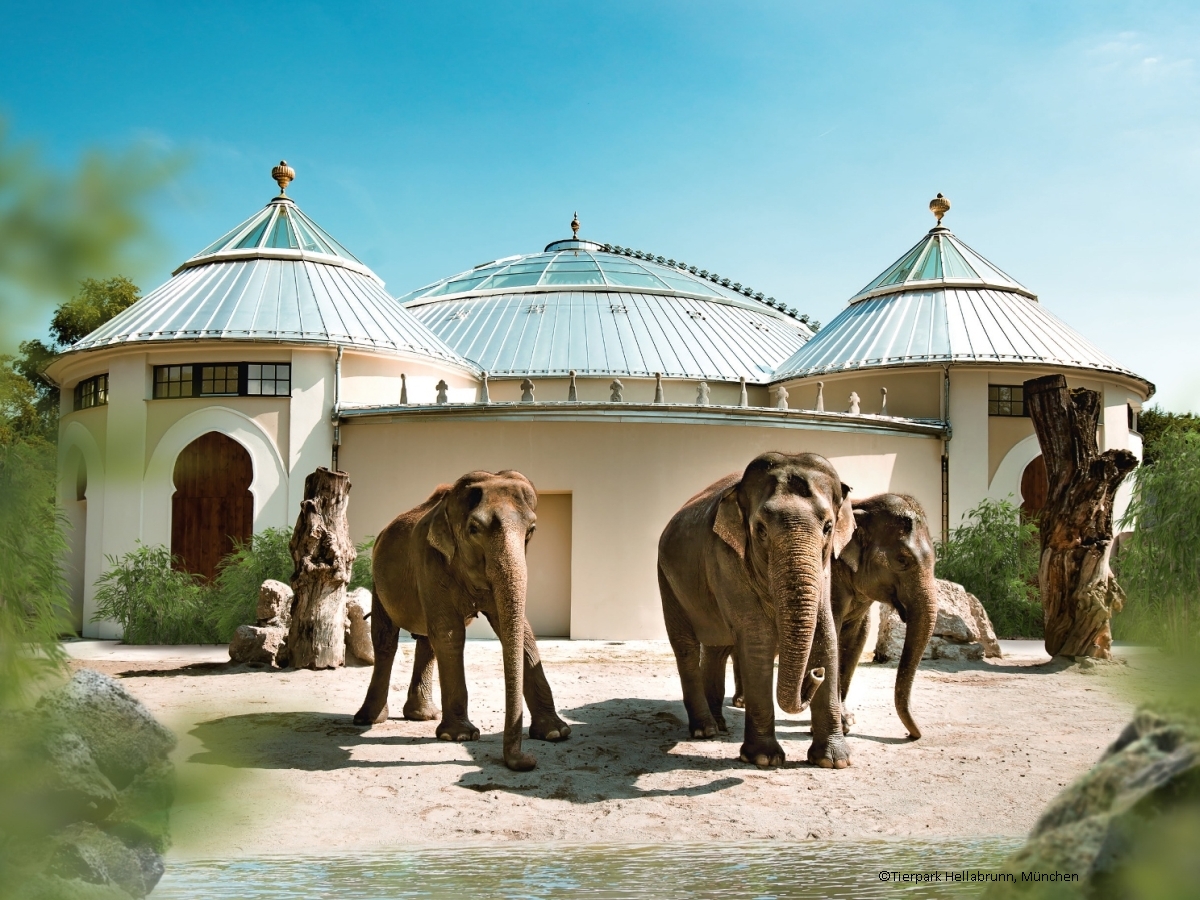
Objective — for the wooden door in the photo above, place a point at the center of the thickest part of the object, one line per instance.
(212, 507)
(1035, 485)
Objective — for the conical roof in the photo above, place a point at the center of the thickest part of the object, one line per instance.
(605, 310)
(278, 276)
(942, 303)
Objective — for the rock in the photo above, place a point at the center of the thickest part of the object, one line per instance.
(121, 735)
(1095, 827)
(141, 816)
(358, 629)
(86, 853)
(76, 788)
(274, 604)
(962, 630)
(255, 644)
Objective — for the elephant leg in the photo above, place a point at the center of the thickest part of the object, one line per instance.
(448, 649)
(385, 636)
(739, 695)
(756, 658)
(419, 707)
(828, 748)
(544, 722)
(686, 645)
(713, 661)
(851, 641)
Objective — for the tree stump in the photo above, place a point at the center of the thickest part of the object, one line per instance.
(323, 555)
(1079, 592)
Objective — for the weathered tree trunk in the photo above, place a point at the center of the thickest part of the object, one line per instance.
(1079, 592)
(324, 555)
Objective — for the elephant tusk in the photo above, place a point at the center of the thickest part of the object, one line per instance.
(811, 685)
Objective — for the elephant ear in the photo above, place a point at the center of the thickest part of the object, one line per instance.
(441, 536)
(843, 528)
(851, 554)
(730, 526)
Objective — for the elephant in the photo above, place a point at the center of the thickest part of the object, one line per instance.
(437, 566)
(889, 559)
(744, 568)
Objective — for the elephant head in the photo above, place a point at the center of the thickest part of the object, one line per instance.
(788, 518)
(891, 560)
(482, 526)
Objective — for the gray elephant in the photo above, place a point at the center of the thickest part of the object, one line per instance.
(744, 568)
(889, 559)
(459, 554)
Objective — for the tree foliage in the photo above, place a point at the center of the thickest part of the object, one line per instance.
(1155, 424)
(994, 555)
(1159, 568)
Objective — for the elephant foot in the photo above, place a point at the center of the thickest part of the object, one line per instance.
(364, 716)
(549, 728)
(708, 729)
(830, 754)
(738, 701)
(458, 731)
(519, 762)
(763, 752)
(421, 711)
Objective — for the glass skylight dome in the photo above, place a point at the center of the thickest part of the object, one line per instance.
(604, 310)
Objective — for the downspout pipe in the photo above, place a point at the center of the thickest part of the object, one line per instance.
(336, 413)
(946, 454)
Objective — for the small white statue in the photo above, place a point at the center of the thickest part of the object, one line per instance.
(702, 392)
(658, 388)
(403, 390)
(743, 397)
(883, 406)
(854, 408)
(442, 396)
(484, 396)
(781, 397)
(526, 391)
(617, 388)
(572, 392)
(820, 396)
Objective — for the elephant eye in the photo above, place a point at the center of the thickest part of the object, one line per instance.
(473, 528)
(529, 533)
(828, 528)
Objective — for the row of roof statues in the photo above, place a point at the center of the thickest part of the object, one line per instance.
(779, 394)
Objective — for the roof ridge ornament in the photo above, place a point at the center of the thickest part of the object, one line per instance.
(575, 226)
(939, 206)
(285, 175)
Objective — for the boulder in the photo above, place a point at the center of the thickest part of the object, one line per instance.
(84, 852)
(75, 788)
(256, 644)
(962, 630)
(274, 604)
(358, 629)
(121, 735)
(1125, 806)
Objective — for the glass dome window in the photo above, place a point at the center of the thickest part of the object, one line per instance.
(940, 258)
(279, 226)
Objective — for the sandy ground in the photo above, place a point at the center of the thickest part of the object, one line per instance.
(286, 772)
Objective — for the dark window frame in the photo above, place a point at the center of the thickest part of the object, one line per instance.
(222, 379)
(91, 392)
(1007, 401)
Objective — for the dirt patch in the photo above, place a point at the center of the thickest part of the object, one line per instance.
(296, 776)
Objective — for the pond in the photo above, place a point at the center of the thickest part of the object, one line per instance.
(813, 869)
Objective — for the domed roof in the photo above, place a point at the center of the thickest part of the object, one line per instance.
(605, 310)
(276, 277)
(944, 303)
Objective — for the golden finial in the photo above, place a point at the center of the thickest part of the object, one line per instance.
(939, 206)
(575, 227)
(285, 175)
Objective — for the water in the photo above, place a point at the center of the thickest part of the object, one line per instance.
(814, 869)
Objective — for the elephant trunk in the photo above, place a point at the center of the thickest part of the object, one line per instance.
(921, 612)
(796, 588)
(509, 577)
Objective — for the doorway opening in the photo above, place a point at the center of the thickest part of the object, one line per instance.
(1035, 486)
(212, 508)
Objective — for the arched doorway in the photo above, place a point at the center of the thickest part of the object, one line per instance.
(212, 507)
(1035, 485)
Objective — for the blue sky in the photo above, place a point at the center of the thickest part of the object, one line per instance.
(792, 146)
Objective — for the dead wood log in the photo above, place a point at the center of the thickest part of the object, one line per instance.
(324, 556)
(1079, 592)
